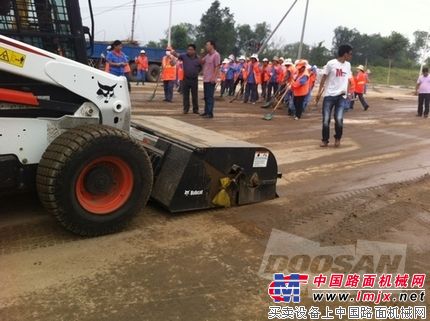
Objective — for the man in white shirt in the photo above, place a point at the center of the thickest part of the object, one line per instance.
(335, 81)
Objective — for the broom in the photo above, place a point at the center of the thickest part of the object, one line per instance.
(269, 116)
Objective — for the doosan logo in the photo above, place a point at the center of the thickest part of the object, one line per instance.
(193, 193)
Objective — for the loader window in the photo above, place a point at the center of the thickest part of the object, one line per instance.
(47, 24)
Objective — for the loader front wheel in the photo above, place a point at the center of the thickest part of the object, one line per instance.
(94, 179)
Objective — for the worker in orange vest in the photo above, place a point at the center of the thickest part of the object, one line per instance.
(289, 72)
(168, 65)
(349, 101)
(142, 67)
(265, 76)
(222, 75)
(240, 67)
(273, 84)
(300, 87)
(252, 76)
(313, 73)
(360, 87)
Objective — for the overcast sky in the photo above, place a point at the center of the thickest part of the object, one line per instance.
(368, 16)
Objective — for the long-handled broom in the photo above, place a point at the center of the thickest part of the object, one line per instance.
(269, 116)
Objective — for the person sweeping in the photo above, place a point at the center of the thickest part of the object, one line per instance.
(300, 87)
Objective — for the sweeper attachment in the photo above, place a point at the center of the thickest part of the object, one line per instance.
(195, 168)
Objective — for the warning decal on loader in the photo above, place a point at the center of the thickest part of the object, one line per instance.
(12, 57)
(260, 159)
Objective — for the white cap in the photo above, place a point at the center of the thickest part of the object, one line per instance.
(265, 59)
(255, 56)
(288, 61)
(226, 61)
(142, 51)
(231, 57)
(281, 58)
(242, 58)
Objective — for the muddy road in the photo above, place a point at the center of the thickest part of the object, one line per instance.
(206, 265)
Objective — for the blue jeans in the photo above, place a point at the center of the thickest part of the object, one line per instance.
(209, 91)
(168, 89)
(330, 103)
(141, 76)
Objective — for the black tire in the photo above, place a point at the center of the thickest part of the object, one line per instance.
(153, 72)
(63, 164)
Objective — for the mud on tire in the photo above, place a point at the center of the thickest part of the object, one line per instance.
(94, 179)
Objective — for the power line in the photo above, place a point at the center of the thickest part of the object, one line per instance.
(128, 5)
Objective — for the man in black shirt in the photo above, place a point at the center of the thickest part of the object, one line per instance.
(192, 67)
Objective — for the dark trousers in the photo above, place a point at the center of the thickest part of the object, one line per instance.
(229, 86)
(271, 87)
(190, 85)
(251, 90)
(362, 101)
(222, 88)
(168, 89)
(264, 89)
(423, 100)
(299, 105)
(209, 91)
(330, 103)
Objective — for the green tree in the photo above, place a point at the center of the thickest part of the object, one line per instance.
(217, 24)
(319, 55)
(182, 34)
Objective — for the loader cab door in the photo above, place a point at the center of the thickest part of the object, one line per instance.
(53, 25)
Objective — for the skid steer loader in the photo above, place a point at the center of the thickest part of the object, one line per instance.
(66, 129)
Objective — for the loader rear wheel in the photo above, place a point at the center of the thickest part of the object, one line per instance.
(94, 179)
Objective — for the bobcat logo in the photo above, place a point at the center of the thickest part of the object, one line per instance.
(106, 92)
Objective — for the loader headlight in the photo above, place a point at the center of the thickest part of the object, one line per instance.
(118, 107)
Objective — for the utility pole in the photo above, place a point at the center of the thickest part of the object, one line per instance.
(424, 56)
(133, 20)
(299, 54)
(169, 37)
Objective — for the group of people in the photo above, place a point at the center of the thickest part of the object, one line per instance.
(280, 78)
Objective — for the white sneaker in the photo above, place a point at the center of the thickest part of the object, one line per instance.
(296, 118)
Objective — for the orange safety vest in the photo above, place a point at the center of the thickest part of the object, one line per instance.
(256, 70)
(352, 85)
(169, 71)
(290, 72)
(360, 82)
(281, 74)
(299, 89)
(142, 63)
(265, 73)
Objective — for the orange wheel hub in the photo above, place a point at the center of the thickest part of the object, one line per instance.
(104, 185)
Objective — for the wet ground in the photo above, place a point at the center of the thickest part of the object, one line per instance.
(207, 265)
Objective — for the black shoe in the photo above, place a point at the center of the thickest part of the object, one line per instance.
(196, 112)
(185, 112)
(366, 108)
(203, 115)
(208, 116)
(426, 115)
(419, 115)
